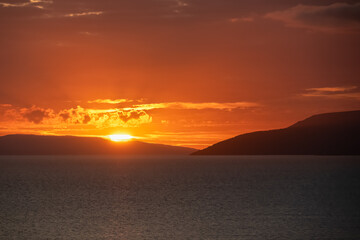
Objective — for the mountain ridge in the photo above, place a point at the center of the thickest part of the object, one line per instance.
(335, 133)
(22, 144)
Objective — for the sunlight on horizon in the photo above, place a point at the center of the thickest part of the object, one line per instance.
(120, 137)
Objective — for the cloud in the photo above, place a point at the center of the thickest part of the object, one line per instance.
(243, 19)
(150, 11)
(88, 33)
(179, 6)
(32, 3)
(198, 106)
(58, 10)
(35, 116)
(82, 14)
(15, 4)
(127, 116)
(102, 118)
(334, 18)
(91, 119)
(109, 101)
(176, 105)
(98, 118)
(332, 89)
(5, 105)
(351, 92)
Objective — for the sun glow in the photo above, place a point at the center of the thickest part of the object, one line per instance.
(120, 137)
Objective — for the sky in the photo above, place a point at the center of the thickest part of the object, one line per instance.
(180, 72)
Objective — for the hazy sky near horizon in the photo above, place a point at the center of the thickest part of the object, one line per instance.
(182, 72)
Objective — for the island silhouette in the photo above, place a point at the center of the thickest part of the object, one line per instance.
(70, 145)
(324, 134)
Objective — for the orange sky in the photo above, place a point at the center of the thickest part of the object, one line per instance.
(180, 72)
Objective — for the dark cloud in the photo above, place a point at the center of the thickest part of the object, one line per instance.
(340, 13)
(65, 116)
(336, 17)
(86, 119)
(347, 92)
(35, 116)
(128, 115)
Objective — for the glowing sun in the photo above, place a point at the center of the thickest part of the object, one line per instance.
(120, 137)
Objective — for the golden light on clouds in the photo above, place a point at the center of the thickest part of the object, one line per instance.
(97, 118)
(110, 101)
(191, 105)
(140, 119)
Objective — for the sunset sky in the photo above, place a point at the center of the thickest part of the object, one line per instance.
(178, 72)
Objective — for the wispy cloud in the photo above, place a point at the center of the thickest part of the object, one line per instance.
(109, 101)
(88, 33)
(31, 3)
(332, 89)
(334, 92)
(181, 3)
(334, 18)
(42, 4)
(5, 105)
(190, 105)
(82, 14)
(14, 4)
(179, 6)
(242, 19)
(176, 105)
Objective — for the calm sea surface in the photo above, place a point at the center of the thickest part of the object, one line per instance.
(262, 197)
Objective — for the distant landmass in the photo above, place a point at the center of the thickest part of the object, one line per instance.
(70, 145)
(323, 134)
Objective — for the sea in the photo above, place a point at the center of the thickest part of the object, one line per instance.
(178, 198)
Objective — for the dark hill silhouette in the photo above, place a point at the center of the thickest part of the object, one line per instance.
(323, 134)
(69, 145)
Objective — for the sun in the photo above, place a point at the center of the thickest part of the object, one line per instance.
(120, 137)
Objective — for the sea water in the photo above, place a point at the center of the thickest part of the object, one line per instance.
(131, 198)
